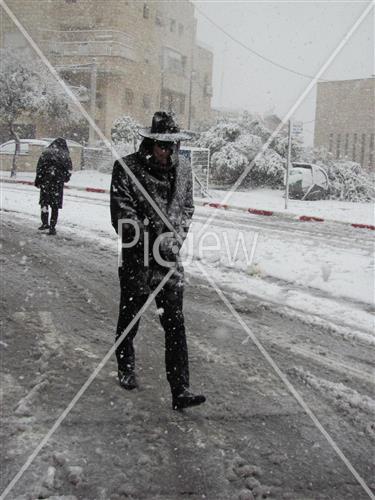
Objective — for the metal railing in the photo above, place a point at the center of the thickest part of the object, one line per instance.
(89, 43)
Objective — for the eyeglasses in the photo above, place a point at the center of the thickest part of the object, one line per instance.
(165, 145)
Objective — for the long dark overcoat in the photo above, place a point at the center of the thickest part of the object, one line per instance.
(173, 194)
(53, 169)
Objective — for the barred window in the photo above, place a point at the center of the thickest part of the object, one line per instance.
(330, 144)
(338, 146)
(346, 150)
(363, 144)
(354, 153)
(371, 151)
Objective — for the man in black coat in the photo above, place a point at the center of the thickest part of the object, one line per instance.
(53, 170)
(150, 248)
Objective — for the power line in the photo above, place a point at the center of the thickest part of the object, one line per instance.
(250, 49)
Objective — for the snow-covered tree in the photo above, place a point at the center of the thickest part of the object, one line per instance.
(125, 130)
(237, 145)
(348, 180)
(28, 91)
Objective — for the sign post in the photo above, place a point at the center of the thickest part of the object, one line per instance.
(288, 164)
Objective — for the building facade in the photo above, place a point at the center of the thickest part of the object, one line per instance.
(124, 57)
(344, 121)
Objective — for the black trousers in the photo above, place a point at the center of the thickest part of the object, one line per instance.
(54, 215)
(169, 303)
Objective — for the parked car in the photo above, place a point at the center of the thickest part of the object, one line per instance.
(308, 182)
(30, 151)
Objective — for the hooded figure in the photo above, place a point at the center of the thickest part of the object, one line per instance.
(146, 254)
(53, 169)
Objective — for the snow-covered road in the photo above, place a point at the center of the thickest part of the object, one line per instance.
(323, 271)
(59, 313)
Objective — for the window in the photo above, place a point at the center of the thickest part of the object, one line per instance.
(147, 56)
(129, 96)
(146, 11)
(330, 146)
(181, 104)
(173, 102)
(174, 62)
(172, 26)
(363, 144)
(146, 101)
(180, 29)
(99, 100)
(338, 146)
(371, 152)
(14, 40)
(346, 147)
(354, 154)
(158, 18)
(320, 178)
(10, 148)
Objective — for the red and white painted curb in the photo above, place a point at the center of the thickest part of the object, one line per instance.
(269, 213)
(218, 205)
(78, 188)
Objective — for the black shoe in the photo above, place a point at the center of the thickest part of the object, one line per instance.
(186, 399)
(52, 231)
(127, 379)
(43, 226)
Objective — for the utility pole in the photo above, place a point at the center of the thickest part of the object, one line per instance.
(222, 74)
(288, 164)
(190, 96)
(93, 80)
(192, 75)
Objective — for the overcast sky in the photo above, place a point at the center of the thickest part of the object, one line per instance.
(299, 35)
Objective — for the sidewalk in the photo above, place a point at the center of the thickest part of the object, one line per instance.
(262, 202)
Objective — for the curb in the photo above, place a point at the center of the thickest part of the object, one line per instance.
(269, 213)
(220, 206)
(78, 188)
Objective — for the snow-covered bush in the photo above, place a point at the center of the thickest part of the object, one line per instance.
(256, 127)
(228, 163)
(349, 182)
(249, 145)
(268, 170)
(125, 130)
(218, 136)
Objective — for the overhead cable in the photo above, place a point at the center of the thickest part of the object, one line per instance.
(249, 49)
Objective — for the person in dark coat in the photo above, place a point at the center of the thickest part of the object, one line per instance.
(168, 180)
(53, 170)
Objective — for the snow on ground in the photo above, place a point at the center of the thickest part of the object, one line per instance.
(272, 199)
(266, 199)
(285, 271)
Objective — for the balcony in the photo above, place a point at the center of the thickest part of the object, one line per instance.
(95, 43)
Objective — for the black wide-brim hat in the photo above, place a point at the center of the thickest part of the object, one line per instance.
(164, 128)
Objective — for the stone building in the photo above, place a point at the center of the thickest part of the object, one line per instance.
(124, 57)
(344, 121)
